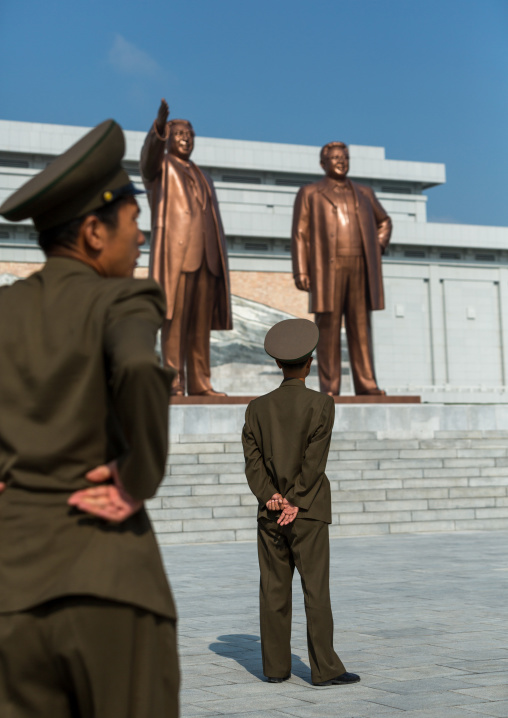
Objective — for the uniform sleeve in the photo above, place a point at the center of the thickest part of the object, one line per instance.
(140, 387)
(300, 234)
(152, 155)
(308, 483)
(258, 478)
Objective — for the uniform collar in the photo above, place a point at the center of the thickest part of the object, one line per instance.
(293, 382)
(68, 264)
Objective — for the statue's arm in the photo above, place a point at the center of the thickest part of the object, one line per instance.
(383, 222)
(154, 146)
(300, 241)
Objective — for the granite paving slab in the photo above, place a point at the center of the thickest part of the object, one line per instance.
(423, 618)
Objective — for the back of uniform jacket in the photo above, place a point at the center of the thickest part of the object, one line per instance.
(80, 386)
(286, 439)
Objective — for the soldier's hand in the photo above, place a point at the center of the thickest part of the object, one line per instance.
(2, 486)
(162, 116)
(110, 502)
(302, 282)
(289, 513)
(275, 503)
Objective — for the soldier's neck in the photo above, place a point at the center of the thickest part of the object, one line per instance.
(287, 377)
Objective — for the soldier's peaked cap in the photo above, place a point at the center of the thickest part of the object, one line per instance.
(292, 340)
(89, 175)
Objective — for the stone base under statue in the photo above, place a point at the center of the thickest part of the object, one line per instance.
(364, 399)
(399, 468)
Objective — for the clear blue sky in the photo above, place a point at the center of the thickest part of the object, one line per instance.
(426, 79)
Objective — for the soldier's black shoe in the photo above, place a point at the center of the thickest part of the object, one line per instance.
(341, 680)
(278, 680)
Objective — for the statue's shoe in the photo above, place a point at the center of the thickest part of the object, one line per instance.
(209, 392)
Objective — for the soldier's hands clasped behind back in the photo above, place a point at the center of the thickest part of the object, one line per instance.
(110, 501)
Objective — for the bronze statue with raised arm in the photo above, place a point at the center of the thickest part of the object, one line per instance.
(340, 231)
(188, 255)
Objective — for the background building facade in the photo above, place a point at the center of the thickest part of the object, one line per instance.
(444, 332)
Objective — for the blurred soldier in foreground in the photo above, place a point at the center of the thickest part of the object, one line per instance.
(340, 232)
(188, 255)
(286, 439)
(87, 620)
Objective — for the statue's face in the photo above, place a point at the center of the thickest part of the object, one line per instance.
(181, 140)
(336, 163)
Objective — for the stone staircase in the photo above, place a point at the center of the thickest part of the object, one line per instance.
(453, 481)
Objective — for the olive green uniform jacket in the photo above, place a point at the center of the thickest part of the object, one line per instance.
(286, 439)
(80, 386)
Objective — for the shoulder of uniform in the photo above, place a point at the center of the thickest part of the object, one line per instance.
(261, 402)
(320, 398)
(135, 286)
(140, 291)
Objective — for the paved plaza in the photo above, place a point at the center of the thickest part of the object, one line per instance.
(422, 618)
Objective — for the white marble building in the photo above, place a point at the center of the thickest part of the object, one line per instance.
(444, 332)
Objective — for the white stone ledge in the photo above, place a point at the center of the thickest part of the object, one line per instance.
(446, 470)
(364, 422)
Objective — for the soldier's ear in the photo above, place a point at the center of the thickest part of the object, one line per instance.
(94, 233)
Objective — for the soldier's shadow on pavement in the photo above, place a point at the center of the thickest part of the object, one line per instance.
(245, 649)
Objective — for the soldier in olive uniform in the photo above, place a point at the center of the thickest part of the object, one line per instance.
(286, 439)
(87, 620)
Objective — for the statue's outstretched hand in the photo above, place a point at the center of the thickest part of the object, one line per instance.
(162, 116)
(302, 282)
(110, 502)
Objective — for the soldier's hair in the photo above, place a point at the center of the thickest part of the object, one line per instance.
(293, 365)
(171, 123)
(330, 146)
(65, 235)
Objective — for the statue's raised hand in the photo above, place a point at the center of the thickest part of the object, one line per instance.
(162, 116)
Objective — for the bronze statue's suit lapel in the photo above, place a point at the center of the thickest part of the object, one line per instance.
(181, 167)
(326, 188)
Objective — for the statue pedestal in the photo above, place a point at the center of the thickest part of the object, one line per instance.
(366, 399)
(393, 468)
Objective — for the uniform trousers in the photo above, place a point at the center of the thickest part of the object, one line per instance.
(83, 657)
(304, 543)
(186, 337)
(350, 301)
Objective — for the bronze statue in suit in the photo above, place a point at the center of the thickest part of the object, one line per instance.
(188, 254)
(340, 231)
(286, 439)
(87, 619)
